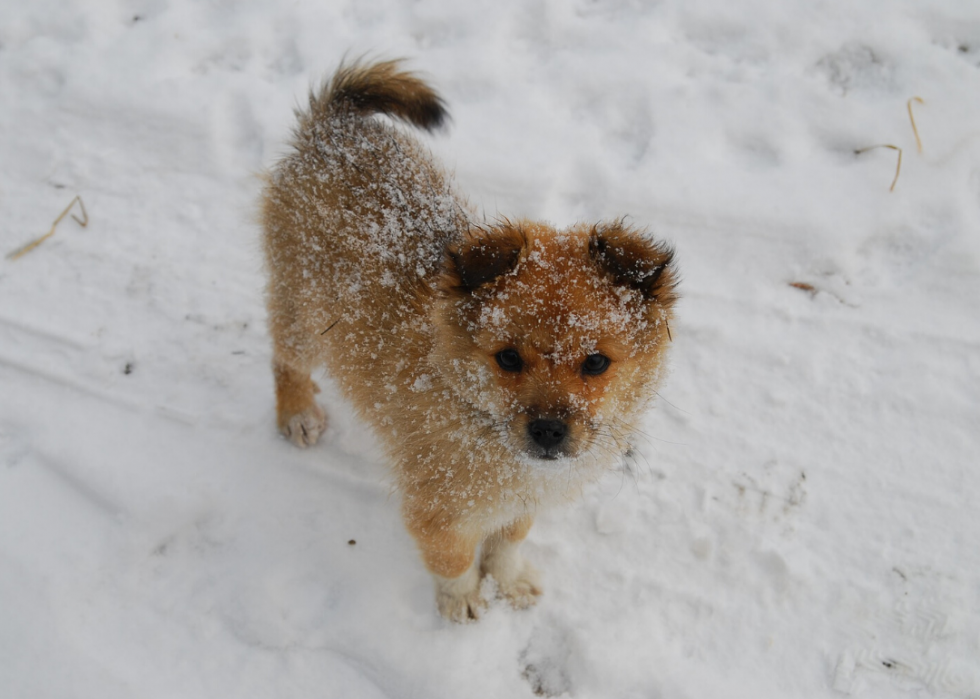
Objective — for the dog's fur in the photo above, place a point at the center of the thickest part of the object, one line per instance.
(477, 352)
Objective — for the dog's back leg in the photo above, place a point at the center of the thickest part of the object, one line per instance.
(298, 415)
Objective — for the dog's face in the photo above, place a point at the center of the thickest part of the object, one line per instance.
(553, 337)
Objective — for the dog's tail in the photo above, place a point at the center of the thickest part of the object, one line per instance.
(377, 88)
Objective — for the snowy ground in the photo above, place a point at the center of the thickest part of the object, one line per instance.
(799, 521)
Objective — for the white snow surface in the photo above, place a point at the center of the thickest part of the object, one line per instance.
(799, 520)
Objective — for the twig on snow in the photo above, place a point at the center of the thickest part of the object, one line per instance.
(83, 221)
(915, 130)
(898, 166)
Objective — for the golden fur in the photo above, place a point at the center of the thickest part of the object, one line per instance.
(501, 365)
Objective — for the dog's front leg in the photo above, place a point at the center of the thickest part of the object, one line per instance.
(450, 555)
(517, 579)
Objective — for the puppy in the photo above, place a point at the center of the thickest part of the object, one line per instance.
(501, 365)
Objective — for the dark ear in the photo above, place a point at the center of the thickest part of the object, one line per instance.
(634, 261)
(484, 255)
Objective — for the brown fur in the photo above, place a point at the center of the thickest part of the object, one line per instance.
(377, 271)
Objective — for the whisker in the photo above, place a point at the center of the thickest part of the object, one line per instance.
(631, 429)
(661, 397)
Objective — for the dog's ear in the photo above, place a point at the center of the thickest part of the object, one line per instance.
(484, 255)
(632, 260)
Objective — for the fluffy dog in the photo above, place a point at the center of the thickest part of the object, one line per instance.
(501, 365)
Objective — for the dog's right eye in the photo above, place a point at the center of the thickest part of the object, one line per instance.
(509, 360)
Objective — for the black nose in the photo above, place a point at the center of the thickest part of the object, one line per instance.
(547, 433)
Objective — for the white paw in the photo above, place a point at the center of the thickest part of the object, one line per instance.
(303, 429)
(461, 608)
(517, 580)
(522, 590)
(459, 599)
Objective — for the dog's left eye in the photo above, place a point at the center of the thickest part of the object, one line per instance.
(595, 364)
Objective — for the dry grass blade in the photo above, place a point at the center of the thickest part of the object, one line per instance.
(803, 286)
(915, 130)
(83, 221)
(898, 166)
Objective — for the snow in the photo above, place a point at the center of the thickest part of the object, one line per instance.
(797, 520)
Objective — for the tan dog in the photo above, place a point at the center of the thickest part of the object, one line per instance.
(501, 365)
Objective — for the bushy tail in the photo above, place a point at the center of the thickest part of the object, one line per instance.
(378, 88)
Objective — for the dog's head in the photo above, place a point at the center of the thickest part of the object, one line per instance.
(554, 339)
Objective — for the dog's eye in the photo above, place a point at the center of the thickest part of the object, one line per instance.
(509, 360)
(595, 364)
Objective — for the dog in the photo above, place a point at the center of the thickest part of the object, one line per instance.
(502, 365)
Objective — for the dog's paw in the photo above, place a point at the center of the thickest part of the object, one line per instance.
(517, 580)
(304, 428)
(522, 590)
(459, 599)
(461, 608)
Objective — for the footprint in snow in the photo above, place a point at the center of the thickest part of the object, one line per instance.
(545, 662)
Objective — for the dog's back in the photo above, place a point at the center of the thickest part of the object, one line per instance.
(357, 214)
(357, 192)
